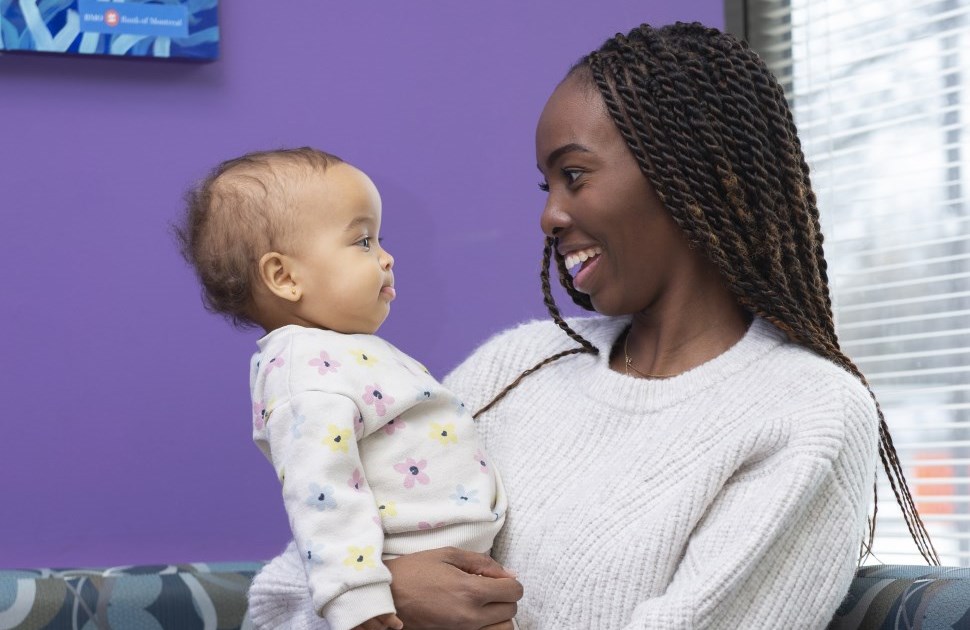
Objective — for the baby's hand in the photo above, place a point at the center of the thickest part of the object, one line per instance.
(382, 622)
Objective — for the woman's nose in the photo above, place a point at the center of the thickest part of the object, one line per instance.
(554, 219)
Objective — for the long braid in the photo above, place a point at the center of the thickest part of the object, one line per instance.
(585, 347)
(681, 97)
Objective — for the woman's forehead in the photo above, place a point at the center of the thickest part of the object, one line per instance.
(574, 114)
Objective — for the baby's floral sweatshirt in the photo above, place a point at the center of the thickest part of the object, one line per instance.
(376, 459)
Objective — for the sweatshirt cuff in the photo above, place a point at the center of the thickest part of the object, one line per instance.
(354, 607)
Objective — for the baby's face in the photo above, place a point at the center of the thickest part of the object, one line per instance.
(344, 273)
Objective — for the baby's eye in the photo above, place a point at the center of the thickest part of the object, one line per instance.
(364, 242)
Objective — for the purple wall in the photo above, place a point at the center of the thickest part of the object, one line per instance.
(126, 417)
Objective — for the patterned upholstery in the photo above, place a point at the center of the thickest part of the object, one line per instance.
(213, 597)
(890, 597)
(183, 597)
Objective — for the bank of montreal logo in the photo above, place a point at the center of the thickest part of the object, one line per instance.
(111, 17)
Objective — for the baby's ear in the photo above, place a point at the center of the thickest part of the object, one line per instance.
(276, 273)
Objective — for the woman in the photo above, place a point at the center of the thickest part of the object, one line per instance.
(702, 456)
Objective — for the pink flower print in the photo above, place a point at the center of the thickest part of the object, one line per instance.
(274, 363)
(397, 424)
(412, 471)
(357, 481)
(259, 415)
(427, 525)
(358, 427)
(374, 396)
(480, 457)
(324, 363)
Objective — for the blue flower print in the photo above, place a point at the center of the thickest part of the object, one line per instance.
(461, 496)
(321, 498)
(313, 552)
(295, 427)
(423, 395)
(459, 406)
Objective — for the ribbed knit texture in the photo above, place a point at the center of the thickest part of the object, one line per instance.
(280, 596)
(731, 496)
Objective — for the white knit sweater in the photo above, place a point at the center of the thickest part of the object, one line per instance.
(731, 496)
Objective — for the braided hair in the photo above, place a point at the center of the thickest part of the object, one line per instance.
(711, 129)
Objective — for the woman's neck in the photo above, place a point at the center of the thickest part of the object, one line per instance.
(681, 331)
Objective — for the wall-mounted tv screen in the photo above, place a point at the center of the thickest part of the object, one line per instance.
(178, 29)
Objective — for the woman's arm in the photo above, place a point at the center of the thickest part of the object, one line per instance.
(453, 589)
(778, 546)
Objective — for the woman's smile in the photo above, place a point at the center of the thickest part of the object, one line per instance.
(581, 279)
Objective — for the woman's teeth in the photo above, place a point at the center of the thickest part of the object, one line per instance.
(577, 258)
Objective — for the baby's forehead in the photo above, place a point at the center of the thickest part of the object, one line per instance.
(338, 197)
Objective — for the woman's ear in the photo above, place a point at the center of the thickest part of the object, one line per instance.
(276, 273)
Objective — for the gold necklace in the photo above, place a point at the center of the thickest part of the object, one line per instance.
(629, 362)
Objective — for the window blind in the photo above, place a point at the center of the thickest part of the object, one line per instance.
(880, 91)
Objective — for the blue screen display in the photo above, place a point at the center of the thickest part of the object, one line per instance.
(182, 29)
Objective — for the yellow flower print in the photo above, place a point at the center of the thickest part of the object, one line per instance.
(363, 357)
(338, 439)
(360, 557)
(387, 509)
(444, 433)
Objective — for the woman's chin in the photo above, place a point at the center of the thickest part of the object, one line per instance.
(605, 306)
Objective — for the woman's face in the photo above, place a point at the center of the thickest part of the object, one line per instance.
(622, 246)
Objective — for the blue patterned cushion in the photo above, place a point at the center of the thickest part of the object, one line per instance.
(185, 596)
(204, 596)
(889, 597)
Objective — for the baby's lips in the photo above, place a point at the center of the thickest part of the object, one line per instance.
(389, 292)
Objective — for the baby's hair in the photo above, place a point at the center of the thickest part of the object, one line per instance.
(239, 212)
(711, 129)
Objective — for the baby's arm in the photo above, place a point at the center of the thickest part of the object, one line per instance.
(332, 512)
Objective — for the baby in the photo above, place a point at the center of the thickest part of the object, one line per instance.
(375, 457)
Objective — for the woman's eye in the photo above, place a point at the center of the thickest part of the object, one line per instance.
(571, 175)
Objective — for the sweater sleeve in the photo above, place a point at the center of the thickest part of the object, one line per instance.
(333, 515)
(778, 546)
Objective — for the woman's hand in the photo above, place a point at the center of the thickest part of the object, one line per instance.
(453, 589)
(381, 622)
